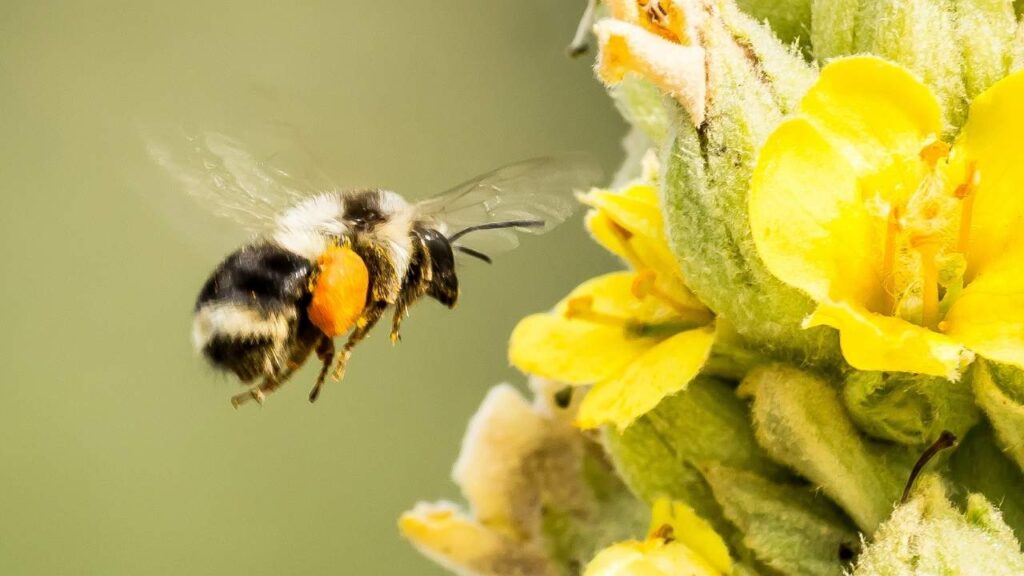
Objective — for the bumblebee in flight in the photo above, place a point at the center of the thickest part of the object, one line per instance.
(328, 263)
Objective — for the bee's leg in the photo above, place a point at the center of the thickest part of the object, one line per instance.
(416, 283)
(325, 352)
(373, 313)
(268, 386)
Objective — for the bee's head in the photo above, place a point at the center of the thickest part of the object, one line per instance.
(247, 314)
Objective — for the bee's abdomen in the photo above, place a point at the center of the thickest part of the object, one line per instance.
(264, 275)
(250, 308)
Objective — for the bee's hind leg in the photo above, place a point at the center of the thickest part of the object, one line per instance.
(373, 313)
(325, 352)
(268, 386)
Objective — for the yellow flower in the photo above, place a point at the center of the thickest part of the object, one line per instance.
(655, 39)
(637, 336)
(680, 543)
(911, 247)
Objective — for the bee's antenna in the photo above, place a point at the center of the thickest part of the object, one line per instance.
(497, 226)
(474, 253)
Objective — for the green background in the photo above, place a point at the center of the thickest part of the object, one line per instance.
(119, 452)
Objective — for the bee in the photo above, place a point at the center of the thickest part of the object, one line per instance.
(326, 263)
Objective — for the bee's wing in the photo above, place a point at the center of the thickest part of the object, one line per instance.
(232, 180)
(532, 196)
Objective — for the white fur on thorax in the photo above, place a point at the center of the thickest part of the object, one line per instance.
(235, 320)
(305, 228)
(395, 231)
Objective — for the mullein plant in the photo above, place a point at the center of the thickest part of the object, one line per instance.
(813, 359)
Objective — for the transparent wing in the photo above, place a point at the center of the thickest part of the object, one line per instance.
(248, 184)
(486, 213)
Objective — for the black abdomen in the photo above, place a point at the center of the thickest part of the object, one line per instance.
(250, 314)
(264, 275)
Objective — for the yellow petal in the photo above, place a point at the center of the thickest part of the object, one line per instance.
(991, 138)
(677, 70)
(459, 543)
(571, 351)
(636, 209)
(875, 342)
(579, 351)
(809, 221)
(690, 529)
(659, 372)
(651, 558)
(820, 176)
(988, 317)
(874, 109)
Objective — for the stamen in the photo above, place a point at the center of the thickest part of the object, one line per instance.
(624, 237)
(965, 192)
(582, 308)
(664, 532)
(933, 152)
(645, 284)
(928, 248)
(892, 231)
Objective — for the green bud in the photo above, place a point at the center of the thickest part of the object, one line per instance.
(999, 390)
(789, 528)
(662, 452)
(800, 421)
(752, 82)
(985, 30)
(958, 48)
(789, 19)
(643, 106)
(979, 465)
(927, 535)
(909, 408)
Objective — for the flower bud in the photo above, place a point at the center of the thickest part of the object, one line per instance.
(789, 528)
(999, 390)
(789, 19)
(800, 421)
(927, 535)
(662, 452)
(979, 465)
(752, 82)
(958, 48)
(909, 408)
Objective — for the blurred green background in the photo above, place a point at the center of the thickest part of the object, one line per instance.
(119, 452)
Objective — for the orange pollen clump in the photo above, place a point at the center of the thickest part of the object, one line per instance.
(339, 293)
